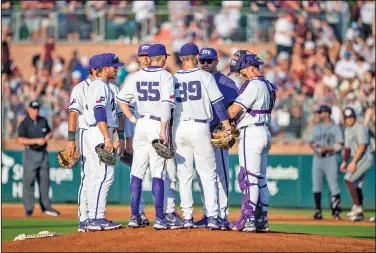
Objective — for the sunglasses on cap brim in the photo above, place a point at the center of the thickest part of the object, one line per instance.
(209, 61)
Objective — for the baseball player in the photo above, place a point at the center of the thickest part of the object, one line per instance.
(76, 108)
(252, 113)
(357, 142)
(208, 59)
(170, 177)
(103, 119)
(152, 89)
(196, 94)
(326, 141)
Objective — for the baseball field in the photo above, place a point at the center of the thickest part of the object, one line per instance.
(292, 230)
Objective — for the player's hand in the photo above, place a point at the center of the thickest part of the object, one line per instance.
(343, 167)
(48, 136)
(164, 138)
(71, 147)
(121, 147)
(352, 167)
(109, 146)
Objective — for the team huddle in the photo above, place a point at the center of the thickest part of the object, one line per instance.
(182, 111)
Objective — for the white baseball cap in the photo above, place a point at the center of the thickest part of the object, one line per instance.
(283, 56)
(309, 45)
(76, 74)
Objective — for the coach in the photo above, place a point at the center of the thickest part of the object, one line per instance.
(34, 132)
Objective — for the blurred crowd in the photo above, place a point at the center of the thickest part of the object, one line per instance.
(313, 62)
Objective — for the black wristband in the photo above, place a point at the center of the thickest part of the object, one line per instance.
(71, 135)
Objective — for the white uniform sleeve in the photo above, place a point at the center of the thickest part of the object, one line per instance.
(213, 91)
(248, 97)
(167, 90)
(100, 95)
(128, 91)
(75, 104)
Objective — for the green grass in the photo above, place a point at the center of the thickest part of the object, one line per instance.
(13, 227)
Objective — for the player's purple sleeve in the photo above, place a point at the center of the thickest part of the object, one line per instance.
(220, 110)
(100, 114)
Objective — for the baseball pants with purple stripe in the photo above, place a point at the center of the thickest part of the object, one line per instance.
(100, 176)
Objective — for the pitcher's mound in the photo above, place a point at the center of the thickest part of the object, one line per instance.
(196, 240)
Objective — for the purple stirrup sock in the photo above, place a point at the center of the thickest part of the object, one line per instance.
(135, 189)
(158, 193)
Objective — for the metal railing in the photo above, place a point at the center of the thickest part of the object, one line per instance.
(118, 23)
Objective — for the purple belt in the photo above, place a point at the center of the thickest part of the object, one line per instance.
(255, 112)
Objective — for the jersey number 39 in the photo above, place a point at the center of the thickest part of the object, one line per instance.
(189, 91)
(148, 91)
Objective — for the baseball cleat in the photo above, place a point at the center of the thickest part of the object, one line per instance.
(107, 224)
(202, 223)
(160, 224)
(82, 226)
(263, 227)
(355, 210)
(93, 225)
(317, 215)
(358, 217)
(51, 212)
(144, 220)
(336, 216)
(188, 223)
(250, 226)
(134, 222)
(213, 223)
(174, 221)
(223, 224)
(372, 219)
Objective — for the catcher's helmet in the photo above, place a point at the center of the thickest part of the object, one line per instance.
(245, 59)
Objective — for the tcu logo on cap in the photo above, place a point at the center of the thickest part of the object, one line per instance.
(144, 47)
(206, 51)
(348, 112)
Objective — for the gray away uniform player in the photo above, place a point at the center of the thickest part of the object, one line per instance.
(357, 145)
(326, 141)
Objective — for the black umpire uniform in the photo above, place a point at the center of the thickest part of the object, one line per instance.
(34, 132)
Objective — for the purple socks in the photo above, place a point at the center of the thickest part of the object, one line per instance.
(135, 189)
(158, 193)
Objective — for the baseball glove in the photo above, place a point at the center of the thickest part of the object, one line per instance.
(126, 158)
(104, 156)
(161, 149)
(66, 161)
(221, 138)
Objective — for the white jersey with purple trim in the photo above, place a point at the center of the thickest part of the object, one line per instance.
(102, 94)
(195, 91)
(149, 89)
(255, 96)
(78, 101)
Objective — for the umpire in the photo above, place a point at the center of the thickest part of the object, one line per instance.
(34, 132)
(326, 141)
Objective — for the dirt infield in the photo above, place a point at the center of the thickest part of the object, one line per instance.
(197, 240)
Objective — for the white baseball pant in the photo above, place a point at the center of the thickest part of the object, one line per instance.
(83, 210)
(100, 175)
(192, 142)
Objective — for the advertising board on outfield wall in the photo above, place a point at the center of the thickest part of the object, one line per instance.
(289, 182)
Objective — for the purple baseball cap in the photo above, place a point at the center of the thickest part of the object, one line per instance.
(143, 49)
(189, 49)
(157, 49)
(92, 62)
(208, 53)
(106, 60)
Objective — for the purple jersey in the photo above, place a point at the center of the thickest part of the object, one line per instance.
(229, 91)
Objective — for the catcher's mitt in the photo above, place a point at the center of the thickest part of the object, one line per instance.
(126, 158)
(221, 139)
(104, 156)
(162, 150)
(66, 161)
